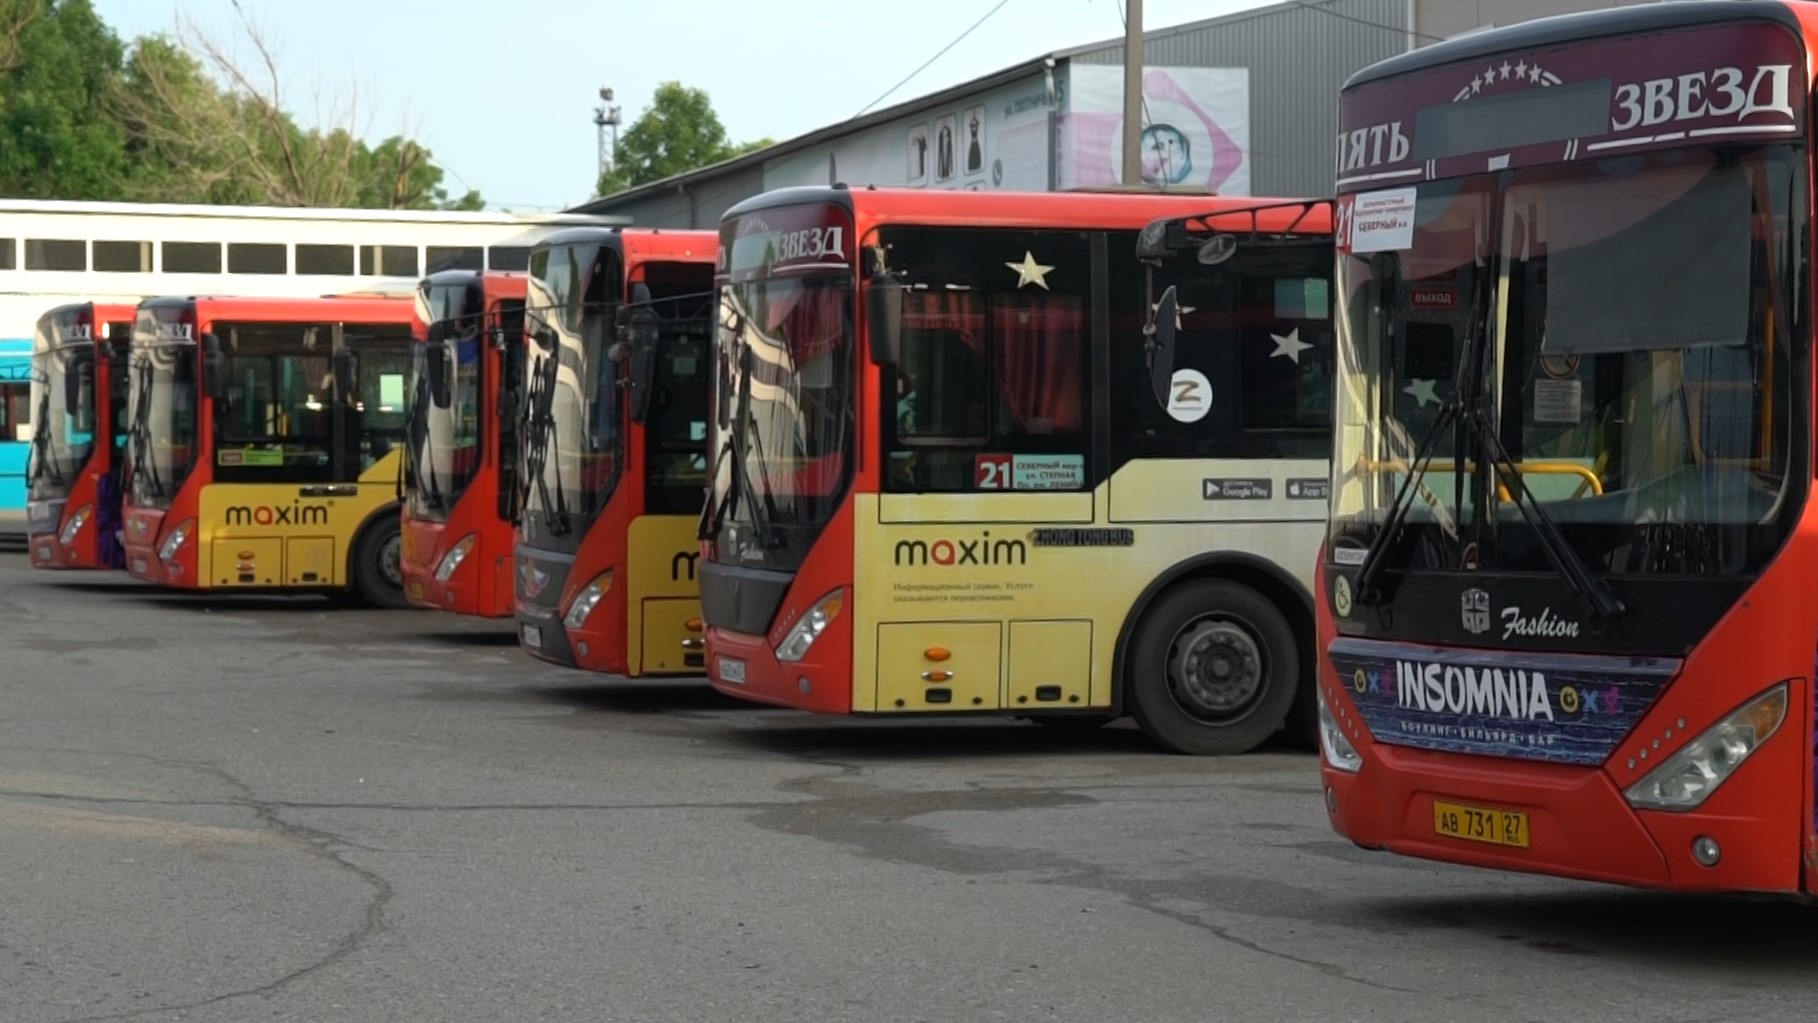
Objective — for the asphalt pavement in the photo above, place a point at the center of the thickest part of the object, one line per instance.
(219, 810)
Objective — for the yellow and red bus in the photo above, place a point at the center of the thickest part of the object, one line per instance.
(263, 443)
(1565, 597)
(461, 454)
(614, 464)
(78, 400)
(956, 472)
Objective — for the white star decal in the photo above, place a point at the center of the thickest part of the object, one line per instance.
(1422, 391)
(1290, 345)
(1521, 70)
(1505, 69)
(1030, 272)
(1534, 74)
(1490, 75)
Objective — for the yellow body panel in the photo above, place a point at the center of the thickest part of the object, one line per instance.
(668, 641)
(913, 674)
(1034, 589)
(299, 534)
(662, 560)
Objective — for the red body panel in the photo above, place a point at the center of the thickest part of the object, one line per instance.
(481, 584)
(601, 643)
(87, 490)
(827, 667)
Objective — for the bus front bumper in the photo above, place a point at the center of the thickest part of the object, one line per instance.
(1577, 822)
(745, 667)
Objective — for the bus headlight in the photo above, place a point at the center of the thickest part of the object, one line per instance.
(175, 541)
(1333, 743)
(588, 600)
(795, 645)
(452, 560)
(1688, 777)
(75, 524)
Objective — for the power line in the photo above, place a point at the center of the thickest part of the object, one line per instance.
(930, 60)
(1323, 7)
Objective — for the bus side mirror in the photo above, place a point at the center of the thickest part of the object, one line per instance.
(214, 367)
(1160, 345)
(884, 319)
(347, 366)
(639, 328)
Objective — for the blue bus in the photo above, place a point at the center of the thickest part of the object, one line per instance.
(15, 435)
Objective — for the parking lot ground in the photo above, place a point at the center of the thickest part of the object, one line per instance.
(220, 809)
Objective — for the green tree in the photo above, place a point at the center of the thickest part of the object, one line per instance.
(676, 133)
(58, 61)
(180, 120)
(212, 128)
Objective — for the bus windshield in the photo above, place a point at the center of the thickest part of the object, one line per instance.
(161, 416)
(574, 438)
(444, 441)
(784, 404)
(63, 435)
(1633, 324)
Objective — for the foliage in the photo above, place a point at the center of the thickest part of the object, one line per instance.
(677, 132)
(181, 120)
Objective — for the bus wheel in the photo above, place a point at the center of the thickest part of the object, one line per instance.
(378, 568)
(1214, 669)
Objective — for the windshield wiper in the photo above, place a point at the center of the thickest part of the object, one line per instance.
(42, 463)
(139, 434)
(1375, 556)
(763, 512)
(540, 444)
(1594, 594)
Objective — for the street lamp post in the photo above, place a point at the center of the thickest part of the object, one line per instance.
(607, 116)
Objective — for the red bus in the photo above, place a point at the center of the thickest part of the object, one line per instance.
(263, 446)
(960, 468)
(78, 428)
(1571, 529)
(460, 461)
(618, 326)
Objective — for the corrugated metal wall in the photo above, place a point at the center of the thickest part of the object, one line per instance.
(1298, 58)
(700, 205)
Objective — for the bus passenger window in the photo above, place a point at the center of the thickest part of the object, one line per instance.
(992, 389)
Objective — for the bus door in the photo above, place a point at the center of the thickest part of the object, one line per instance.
(987, 433)
(371, 407)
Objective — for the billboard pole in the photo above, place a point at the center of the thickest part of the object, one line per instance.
(1133, 92)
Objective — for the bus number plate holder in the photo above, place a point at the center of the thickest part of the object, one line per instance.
(531, 636)
(1480, 824)
(732, 671)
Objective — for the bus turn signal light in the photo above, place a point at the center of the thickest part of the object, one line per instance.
(937, 653)
(692, 625)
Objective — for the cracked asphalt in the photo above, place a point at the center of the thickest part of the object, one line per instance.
(218, 810)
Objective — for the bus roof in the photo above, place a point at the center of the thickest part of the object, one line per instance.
(385, 308)
(1568, 28)
(644, 244)
(1087, 210)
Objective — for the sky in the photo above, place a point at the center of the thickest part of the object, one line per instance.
(504, 93)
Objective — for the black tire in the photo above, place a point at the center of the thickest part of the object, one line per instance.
(378, 571)
(1213, 669)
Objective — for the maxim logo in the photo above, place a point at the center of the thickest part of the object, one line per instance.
(297, 514)
(982, 551)
(683, 566)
